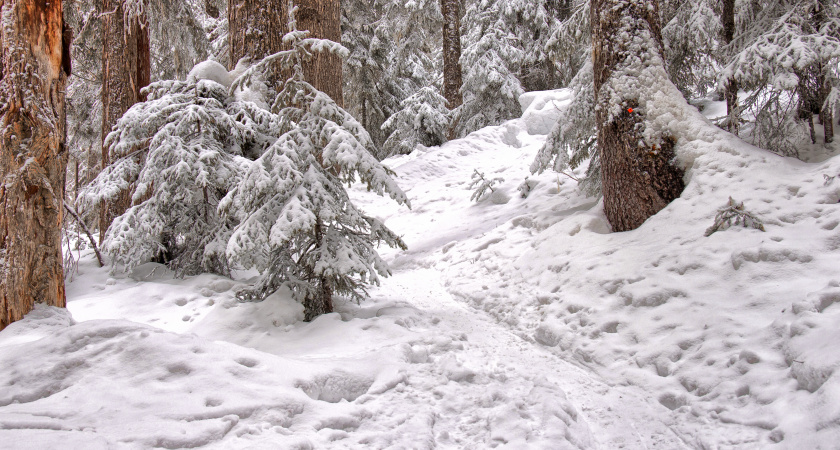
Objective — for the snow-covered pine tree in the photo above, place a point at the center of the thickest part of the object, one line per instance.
(491, 63)
(394, 49)
(424, 119)
(182, 148)
(786, 57)
(297, 225)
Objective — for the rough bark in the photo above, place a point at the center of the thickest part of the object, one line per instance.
(730, 93)
(126, 69)
(451, 10)
(256, 29)
(638, 178)
(323, 20)
(33, 158)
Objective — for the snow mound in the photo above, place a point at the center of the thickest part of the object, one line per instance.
(210, 70)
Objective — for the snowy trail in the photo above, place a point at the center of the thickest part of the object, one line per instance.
(617, 417)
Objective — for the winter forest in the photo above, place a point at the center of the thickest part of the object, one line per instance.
(394, 224)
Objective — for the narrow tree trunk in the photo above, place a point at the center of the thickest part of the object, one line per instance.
(822, 84)
(451, 10)
(323, 20)
(33, 159)
(731, 90)
(637, 176)
(126, 69)
(320, 301)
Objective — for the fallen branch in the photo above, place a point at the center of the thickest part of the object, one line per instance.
(87, 232)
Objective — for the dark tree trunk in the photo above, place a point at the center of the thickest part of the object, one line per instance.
(33, 159)
(638, 178)
(323, 20)
(320, 301)
(451, 10)
(126, 69)
(730, 93)
(826, 114)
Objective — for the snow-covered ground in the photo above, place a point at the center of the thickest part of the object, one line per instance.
(511, 322)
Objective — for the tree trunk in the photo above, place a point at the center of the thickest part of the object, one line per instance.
(731, 90)
(323, 20)
(823, 85)
(637, 176)
(256, 29)
(126, 69)
(320, 301)
(33, 159)
(451, 10)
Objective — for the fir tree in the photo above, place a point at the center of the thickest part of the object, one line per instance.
(297, 224)
(183, 149)
(423, 119)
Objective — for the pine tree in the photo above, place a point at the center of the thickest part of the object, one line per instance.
(183, 149)
(423, 119)
(638, 177)
(491, 85)
(784, 57)
(35, 66)
(297, 224)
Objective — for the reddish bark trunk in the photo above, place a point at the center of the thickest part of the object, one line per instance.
(33, 159)
(126, 69)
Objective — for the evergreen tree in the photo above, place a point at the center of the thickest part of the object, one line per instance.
(183, 149)
(423, 119)
(297, 224)
(492, 60)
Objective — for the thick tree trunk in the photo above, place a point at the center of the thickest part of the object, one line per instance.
(451, 10)
(323, 20)
(126, 69)
(731, 90)
(256, 29)
(33, 159)
(637, 176)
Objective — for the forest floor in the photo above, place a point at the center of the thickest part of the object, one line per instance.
(511, 322)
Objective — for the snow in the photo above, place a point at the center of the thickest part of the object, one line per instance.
(522, 323)
(211, 70)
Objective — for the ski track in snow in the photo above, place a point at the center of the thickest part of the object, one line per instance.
(509, 323)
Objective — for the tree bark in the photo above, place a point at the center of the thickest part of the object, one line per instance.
(256, 29)
(451, 10)
(638, 178)
(33, 158)
(323, 20)
(126, 69)
(731, 89)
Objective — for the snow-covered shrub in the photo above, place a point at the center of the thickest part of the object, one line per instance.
(573, 140)
(734, 214)
(180, 152)
(424, 119)
(482, 185)
(296, 223)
